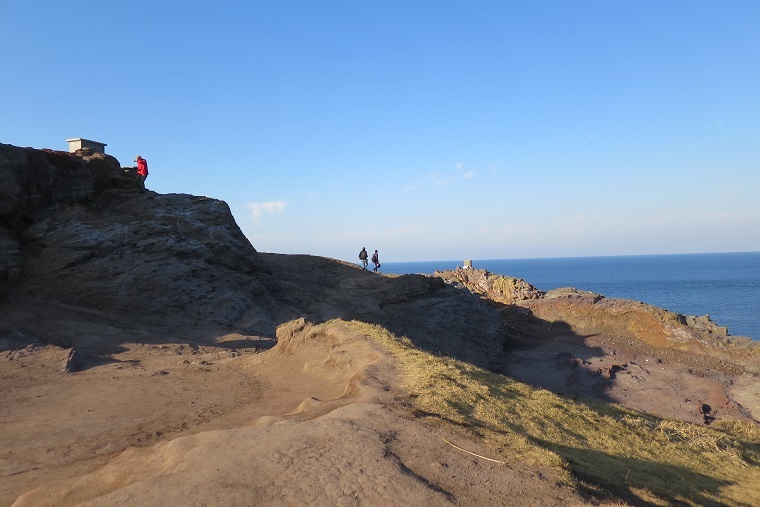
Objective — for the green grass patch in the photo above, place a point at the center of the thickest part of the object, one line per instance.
(630, 454)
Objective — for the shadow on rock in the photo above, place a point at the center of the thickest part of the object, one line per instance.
(618, 474)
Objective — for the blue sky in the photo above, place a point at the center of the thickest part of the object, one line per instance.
(427, 130)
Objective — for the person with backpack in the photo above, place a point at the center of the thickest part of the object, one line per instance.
(363, 257)
(376, 260)
(142, 172)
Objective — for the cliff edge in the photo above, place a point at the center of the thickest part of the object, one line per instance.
(149, 354)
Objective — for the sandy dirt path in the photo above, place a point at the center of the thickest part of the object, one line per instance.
(319, 419)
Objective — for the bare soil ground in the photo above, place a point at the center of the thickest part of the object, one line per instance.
(138, 364)
(318, 421)
(321, 418)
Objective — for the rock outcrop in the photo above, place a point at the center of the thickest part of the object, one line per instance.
(102, 263)
(499, 288)
(584, 313)
(162, 309)
(32, 181)
(79, 239)
(81, 244)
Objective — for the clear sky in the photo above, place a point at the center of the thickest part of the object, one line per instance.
(429, 130)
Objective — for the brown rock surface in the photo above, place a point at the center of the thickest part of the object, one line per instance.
(583, 344)
(138, 362)
(501, 289)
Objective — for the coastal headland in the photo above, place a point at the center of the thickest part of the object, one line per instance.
(149, 354)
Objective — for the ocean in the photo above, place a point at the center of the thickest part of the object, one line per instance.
(725, 286)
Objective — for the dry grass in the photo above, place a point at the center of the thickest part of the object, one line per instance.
(632, 455)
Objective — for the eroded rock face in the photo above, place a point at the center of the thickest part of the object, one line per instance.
(499, 288)
(34, 181)
(76, 232)
(586, 313)
(89, 262)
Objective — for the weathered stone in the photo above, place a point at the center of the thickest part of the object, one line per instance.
(75, 230)
(88, 261)
(499, 288)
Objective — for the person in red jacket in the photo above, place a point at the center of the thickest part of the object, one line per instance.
(142, 172)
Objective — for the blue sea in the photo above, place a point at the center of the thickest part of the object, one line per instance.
(725, 286)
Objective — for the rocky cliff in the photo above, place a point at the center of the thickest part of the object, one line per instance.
(137, 349)
(85, 256)
(81, 248)
(587, 313)
(79, 241)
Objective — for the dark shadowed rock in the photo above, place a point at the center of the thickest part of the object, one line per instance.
(89, 263)
(34, 182)
(79, 240)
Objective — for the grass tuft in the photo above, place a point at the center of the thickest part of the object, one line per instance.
(596, 446)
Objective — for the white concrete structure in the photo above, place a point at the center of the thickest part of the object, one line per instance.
(79, 143)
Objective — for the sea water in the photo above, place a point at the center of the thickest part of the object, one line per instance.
(725, 286)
